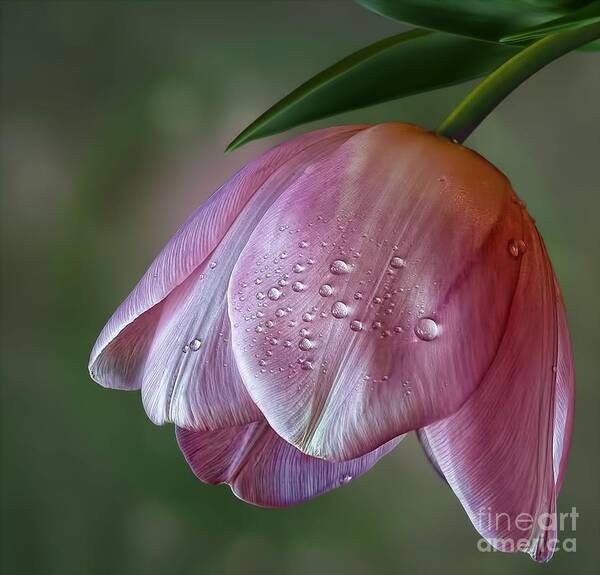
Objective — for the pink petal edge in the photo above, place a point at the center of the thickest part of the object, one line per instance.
(263, 469)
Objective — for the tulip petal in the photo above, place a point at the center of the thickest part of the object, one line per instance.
(429, 453)
(181, 300)
(393, 283)
(263, 469)
(504, 452)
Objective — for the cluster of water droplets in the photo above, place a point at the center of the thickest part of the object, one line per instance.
(294, 313)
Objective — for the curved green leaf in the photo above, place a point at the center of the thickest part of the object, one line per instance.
(589, 14)
(409, 63)
(591, 47)
(502, 81)
(483, 19)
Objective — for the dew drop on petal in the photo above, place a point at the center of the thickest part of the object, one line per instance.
(426, 329)
(516, 248)
(339, 267)
(397, 262)
(305, 344)
(356, 325)
(298, 286)
(339, 310)
(325, 290)
(274, 294)
(307, 365)
(195, 344)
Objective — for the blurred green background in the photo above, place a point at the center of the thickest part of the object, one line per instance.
(114, 119)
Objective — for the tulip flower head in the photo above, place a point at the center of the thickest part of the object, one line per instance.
(346, 288)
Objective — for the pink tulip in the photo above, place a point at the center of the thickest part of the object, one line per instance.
(350, 286)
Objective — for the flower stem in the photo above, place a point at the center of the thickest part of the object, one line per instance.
(490, 92)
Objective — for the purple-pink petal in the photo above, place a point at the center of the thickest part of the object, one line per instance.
(504, 452)
(263, 469)
(171, 335)
(386, 282)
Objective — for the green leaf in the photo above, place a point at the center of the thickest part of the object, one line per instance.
(591, 47)
(483, 19)
(576, 19)
(409, 63)
(501, 82)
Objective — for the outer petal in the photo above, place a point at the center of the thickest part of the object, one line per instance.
(263, 469)
(504, 452)
(181, 300)
(390, 287)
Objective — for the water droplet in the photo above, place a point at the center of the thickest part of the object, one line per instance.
(339, 310)
(212, 265)
(308, 316)
(346, 479)
(195, 344)
(397, 262)
(377, 300)
(260, 295)
(298, 268)
(280, 312)
(339, 267)
(305, 344)
(516, 248)
(307, 365)
(274, 294)
(358, 295)
(426, 329)
(304, 332)
(356, 325)
(325, 290)
(185, 348)
(303, 244)
(298, 286)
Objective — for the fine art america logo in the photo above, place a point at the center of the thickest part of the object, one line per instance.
(562, 527)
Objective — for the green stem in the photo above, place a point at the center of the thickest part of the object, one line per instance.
(488, 94)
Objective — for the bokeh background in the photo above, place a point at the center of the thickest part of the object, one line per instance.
(114, 120)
